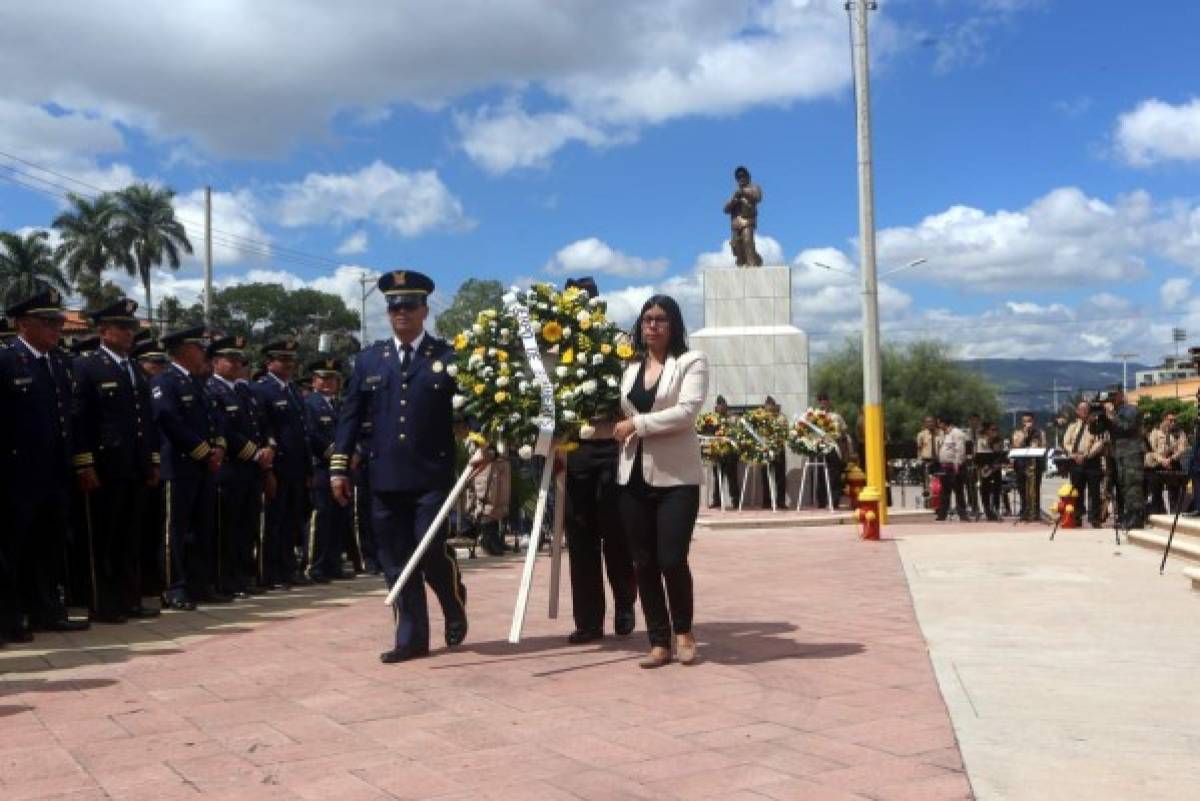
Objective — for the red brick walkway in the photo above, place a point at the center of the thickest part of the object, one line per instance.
(815, 684)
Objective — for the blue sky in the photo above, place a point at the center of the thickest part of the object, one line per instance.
(1041, 155)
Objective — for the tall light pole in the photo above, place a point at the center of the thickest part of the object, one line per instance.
(364, 280)
(1124, 357)
(208, 270)
(872, 380)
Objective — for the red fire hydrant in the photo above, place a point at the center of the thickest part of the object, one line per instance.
(1067, 496)
(854, 479)
(868, 513)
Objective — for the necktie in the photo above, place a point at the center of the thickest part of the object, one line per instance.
(406, 359)
(1078, 438)
(124, 364)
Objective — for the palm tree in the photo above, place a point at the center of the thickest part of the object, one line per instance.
(148, 231)
(90, 241)
(27, 264)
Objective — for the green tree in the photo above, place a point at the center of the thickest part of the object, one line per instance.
(1151, 410)
(148, 231)
(27, 263)
(96, 292)
(918, 379)
(90, 240)
(472, 297)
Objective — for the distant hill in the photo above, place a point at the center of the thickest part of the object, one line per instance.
(1028, 383)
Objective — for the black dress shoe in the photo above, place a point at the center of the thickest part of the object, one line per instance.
(583, 636)
(19, 635)
(456, 632)
(179, 602)
(402, 654)
(317, 578)
(107, 617)
(142, 612)
(66, 624)
(624, 620)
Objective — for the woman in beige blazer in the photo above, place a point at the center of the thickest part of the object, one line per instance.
(660, 472)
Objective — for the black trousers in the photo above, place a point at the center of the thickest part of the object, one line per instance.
(189, 545)
(1086, 478)
(239, 507)
(329, 529)
(284, 532)
(952, 482)
(729, 468)
(835, 465)
(113, 530)
(34, 545)
(596, 539)
(401, 519)
(779, 469)
(659, 522)
(367, 558)
(989, 491)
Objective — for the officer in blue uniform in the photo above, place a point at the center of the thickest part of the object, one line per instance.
(249, 454)
(36, 427)
(192, 452)
(284, 533)
(151, 360)
(116, 462)
(330, 525)
(402, 387)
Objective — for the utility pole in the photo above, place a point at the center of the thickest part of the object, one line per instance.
(872, 380)
(208, 270)
(1177, 335)
(364, 280)
(1124, 357)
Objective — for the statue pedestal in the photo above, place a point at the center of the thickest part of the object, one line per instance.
(753, 348)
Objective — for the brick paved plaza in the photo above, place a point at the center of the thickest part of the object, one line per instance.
(815, 684)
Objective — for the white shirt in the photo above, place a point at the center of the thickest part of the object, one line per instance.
(416, 343)
(282, 383)
(953, 450)
(120, 360)
(222, 380)
(179, 366)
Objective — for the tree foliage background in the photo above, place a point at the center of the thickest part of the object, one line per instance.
(473, 296)
(919, 379)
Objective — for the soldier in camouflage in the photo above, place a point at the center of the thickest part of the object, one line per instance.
(1128, 450)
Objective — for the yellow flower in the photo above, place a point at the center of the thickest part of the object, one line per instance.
(460, 341)
(480, 389)
(502, 355)
(501, 396)
(477, 438)
(606, 348)
(625, 351)
(505, 370)
(567, 447)
(585, 323)
(567, 357)
(570, 294)
(480, 352)
(552, 332)
(584, 343)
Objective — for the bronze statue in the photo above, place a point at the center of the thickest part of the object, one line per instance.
(742, 209)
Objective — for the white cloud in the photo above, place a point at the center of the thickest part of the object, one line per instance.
(353, 244)
(768, 247)
(591, 255)
(31, 132)
(407, 203)
(237, 235)
(1174, 291)
(506, 138)
(1156, 131)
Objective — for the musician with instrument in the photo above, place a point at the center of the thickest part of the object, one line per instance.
(1163, 460)
(929, 442)
(1029, 469)
(989, 450)
(1085, 443)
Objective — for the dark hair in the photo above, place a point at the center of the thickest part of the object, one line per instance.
(677, 345)
(739, 170)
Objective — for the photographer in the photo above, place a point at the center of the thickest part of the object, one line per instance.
(1125, 430)
(1084, 442)
(1163, 460)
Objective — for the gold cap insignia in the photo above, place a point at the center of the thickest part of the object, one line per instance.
(400, 277)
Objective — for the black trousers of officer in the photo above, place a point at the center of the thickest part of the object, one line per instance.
(729, 468)
(285, 531)
(114, 512)
(189, 547)
(367, 558)
(595, 535)
(835, 465)
(34, 545)
(779, 468)
(239, 506)
(1086, 478)
(330, 529)
(150, 541)
(401, 520)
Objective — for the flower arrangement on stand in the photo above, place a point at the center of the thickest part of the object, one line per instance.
(772, 431)
(716, 443)
(814, 434)
(584, 354)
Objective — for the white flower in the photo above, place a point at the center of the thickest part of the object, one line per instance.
(491, 352)
(593, 302)
(561, 371)
(488, 372)
(581, 373)
(525, 452)
(611, 381)
(566, 331)
(544, 306)
(583, 317)
(587, 432)
(437, 367)
(515, 417)
(476, 329)
(458, 401)
(597, 359)
(502, 381)
(501, 448)
(452, 370)
(474, 361)
(589, 387)
(523, 387)
(504, 332)
(568, 415)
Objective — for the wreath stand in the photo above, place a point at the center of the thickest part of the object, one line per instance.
(817, 465)
(752, 469)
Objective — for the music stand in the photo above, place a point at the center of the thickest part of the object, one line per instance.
(1030, 453)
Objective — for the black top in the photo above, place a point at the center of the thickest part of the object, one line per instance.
(641, 397)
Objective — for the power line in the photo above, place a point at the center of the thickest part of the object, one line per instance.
(831, 333)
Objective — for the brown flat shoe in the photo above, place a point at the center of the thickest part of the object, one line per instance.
(685, 651)
(658, 657)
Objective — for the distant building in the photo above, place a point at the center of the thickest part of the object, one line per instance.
(1173, 369)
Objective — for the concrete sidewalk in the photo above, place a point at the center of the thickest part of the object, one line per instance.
(1070, 667)
(815, 684)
